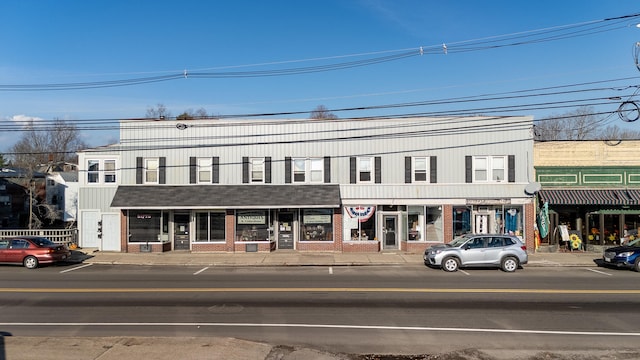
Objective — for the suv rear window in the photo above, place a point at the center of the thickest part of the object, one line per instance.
(509, 241)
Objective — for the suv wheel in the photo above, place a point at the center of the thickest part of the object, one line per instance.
(636, 265)
(450, 264)
(509, 264)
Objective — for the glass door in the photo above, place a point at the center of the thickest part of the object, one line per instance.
(389, 232)
(181, 232)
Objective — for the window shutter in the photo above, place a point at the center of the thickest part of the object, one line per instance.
(407, 169)
(327, 169)
(378, 169)
(162, 176)
(193, 168)
(468, 164)
(245, 170)
(215, 176)
(353, 172)
(287, 170)
(139, 170)
(512, 168)
(267, 170)
(433, 169)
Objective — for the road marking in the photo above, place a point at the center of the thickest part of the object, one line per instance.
(328, 290)
(201, 270)
(330, 270)
(337, 326)
(464, 272)
(75, 268)
(599, 272)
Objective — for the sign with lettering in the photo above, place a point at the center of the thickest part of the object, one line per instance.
(362, 213)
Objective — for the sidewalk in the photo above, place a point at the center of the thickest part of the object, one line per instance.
(295, 258)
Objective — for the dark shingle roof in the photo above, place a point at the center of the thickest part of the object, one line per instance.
(226, 196)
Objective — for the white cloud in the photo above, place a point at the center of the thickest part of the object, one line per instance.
(24, 119)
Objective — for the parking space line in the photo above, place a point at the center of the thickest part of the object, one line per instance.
(75, 268)
(330, 270)
(464, 272)
(201, 270)
(599, 272)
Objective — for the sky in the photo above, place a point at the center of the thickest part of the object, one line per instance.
(92, 63)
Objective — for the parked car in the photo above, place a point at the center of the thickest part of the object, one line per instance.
(480, 250)
(626, 256)
(32, 251)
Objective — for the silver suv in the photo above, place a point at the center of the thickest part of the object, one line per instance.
(482, 250)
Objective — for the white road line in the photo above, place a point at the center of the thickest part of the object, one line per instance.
(464, 272)
(75, 268)
(330, 270)
(599, 272)
(199, 271)
(336, 326)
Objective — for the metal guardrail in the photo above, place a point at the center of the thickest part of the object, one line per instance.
(58, 236)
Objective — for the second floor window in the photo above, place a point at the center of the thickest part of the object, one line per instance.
(151, 167)
(101, 171)
(204, 170)
(420, 169)
(489, 168)
(257, 170)
(308, 170)
(109, 171)
(365, 169)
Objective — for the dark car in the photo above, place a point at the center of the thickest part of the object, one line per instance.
(627, 256)
(31, 251)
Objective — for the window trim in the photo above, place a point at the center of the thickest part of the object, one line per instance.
(308, 170)
(490, 161)
(359, 170)
(252, 163)
(206, 168)
(415, 169)
(147, 171)
(101, 173)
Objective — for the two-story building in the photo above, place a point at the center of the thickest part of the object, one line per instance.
(306, 185)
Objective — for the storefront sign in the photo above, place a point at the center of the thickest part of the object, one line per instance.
(252, 219)
(488, 201)
(363, 213)
(317, 219)
(143, 216)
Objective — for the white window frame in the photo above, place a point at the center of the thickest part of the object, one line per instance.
(311, 171)
(204, 170)
(494, 168)
(424, 172)
(150, 170)
(362, 168)
(256, 170)
(101, 175)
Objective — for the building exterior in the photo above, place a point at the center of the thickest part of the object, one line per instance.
(306, 185)
(592, 189)
(62, 193)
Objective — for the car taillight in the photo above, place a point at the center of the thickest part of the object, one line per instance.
(51, 251)
(524, 247)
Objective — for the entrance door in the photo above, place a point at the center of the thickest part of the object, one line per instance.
(285, 230)
(111, 232)
(89, 233)
(482, 224)
(389, 232)
(181, 232)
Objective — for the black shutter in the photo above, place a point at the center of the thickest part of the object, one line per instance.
(215, 176)
(287, 170)
(378, 169)
(353, 172)
(433, 169)
(139, 170)
(468, 165)
(245, 170)
(193, 169)
(327, 169)
(267, 170)
(162, 176)
(407, 169)
(512, 168)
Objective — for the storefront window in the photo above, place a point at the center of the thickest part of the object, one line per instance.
(210, 226)
(360, 223)
(252, 225)
(317, 225)
(415, 221)
(434, 224)
(144, 226)
(461, 220)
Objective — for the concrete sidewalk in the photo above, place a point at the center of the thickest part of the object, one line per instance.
(296, 258)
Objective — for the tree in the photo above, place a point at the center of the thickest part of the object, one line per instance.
(579, 124)
(158, 112)
(189, 114)
(322, 113)
(3, 161)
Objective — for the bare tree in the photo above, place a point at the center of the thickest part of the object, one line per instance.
(616, 133)
(580, 124)
(189, 114)
(322, 113)
(158, 112)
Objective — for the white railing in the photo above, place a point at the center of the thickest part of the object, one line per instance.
(58, 236)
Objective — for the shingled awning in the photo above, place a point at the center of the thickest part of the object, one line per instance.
(226, 196)
(590, 196)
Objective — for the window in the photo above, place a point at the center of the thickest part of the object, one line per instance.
(420, 169)
(489, 168)
(210, 226)
(151, 167)
(101, 171)
(365, 169)
(147, 225)
(309, 170)
(317, 225)
(257, 170)
(204, 169)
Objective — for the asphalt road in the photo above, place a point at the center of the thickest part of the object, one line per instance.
(371, 309)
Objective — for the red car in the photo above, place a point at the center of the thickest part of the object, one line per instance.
(31, 251)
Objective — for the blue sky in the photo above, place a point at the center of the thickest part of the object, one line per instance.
(65, 42)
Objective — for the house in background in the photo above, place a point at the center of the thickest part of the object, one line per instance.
(62, 194)
(307, 185)
(16, 188)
